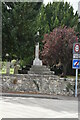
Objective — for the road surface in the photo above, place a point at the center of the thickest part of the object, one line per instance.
(24, 107)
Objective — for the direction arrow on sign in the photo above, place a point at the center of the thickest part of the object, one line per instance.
(76, 62)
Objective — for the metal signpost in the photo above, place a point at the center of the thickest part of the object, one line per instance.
(76, 62)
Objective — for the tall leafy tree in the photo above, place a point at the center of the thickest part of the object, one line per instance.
(56, 14)
(19, 29)
(58, 47)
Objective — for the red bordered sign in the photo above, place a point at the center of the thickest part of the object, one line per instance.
(76, 48)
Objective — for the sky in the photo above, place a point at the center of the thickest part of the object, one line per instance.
(74, 3)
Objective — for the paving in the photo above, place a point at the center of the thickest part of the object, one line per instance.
(46, 96)
(38, 107)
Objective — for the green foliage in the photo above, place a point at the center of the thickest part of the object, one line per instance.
(18, 29)
(54, 15)
(22, 20)
(3, 71)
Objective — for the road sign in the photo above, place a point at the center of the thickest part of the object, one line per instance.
(76, 63)
(76, 56)
(76, 48)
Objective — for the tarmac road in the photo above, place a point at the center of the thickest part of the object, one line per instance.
(29, 107)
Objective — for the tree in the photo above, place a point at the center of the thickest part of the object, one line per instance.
(19, 29)
(21, 21)
(56, 14)
(58, 46)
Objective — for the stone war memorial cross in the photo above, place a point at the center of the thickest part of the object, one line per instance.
(37, 61)
(38, 68)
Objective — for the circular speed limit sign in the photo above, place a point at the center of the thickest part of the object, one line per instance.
(77, 48)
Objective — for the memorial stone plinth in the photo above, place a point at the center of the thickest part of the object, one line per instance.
(40, 70)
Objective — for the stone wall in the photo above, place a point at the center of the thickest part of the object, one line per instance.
(49, 84)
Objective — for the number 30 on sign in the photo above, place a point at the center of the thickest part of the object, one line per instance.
(76, 48)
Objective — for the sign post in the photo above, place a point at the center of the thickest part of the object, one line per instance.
(76, 83)
(76, 62)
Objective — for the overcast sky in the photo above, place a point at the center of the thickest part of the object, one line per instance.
(74, 3)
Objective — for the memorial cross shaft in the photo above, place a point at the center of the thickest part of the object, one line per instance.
(37, 61)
